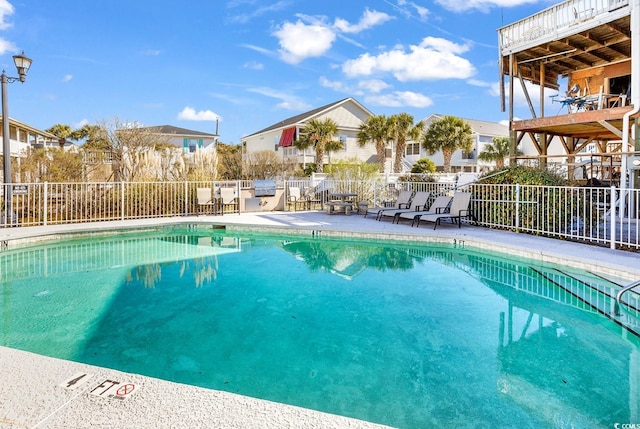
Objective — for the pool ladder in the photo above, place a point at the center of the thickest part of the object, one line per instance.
(616, 305)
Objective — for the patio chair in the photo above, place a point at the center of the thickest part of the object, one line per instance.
(439, 205)
(418, 202)
(228, 198)
(295, 197)
(205, 199)
(459, 209)
(401, 202)
(312, 198)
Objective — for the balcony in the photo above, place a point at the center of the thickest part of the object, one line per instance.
(570, 36)
(559, 21)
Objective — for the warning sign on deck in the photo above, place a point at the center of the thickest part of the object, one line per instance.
(113, 389)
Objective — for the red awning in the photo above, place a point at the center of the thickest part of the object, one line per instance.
(286, 138)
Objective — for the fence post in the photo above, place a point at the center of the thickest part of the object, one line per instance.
(517, 207)
(186, 198)
(122, 200)
(612, 209)
(239, 188)
(46, 203)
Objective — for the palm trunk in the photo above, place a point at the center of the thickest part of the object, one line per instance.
(319, 159)
(446, 154)
(400, 146)
(380, 152)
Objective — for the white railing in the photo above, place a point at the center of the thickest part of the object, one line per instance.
(598, 215)
(562, 19)
(56, 203)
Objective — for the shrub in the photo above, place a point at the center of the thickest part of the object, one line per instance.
(543, 203)
(423, 165)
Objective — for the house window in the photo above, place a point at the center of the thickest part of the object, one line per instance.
(412, 149)
(343, 140)
(468, 155)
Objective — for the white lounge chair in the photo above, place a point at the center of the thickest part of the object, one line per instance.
(295, 197)
(438, 206)
(418, 202)
(205, 199)
(459, 208)
(402, 202)
(228, 198)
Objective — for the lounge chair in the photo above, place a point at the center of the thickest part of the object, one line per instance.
(228, 198)
(402, 202)
(459, 208)
(419, 201)
(205, 199)
(295, 197)
(439, 205)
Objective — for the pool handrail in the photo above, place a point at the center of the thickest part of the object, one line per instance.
(616, 304)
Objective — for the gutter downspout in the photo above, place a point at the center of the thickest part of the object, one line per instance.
(635, 98)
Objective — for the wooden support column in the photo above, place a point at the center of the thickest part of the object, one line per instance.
(542, 80)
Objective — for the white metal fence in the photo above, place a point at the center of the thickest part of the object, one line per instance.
(597, 215)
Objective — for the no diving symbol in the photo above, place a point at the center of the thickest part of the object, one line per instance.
(125, 389)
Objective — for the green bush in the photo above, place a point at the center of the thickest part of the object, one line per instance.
(423, 165)
(544, 202)
(524, 175)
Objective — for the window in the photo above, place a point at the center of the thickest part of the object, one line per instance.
(468, 155)
(343, 140)
(412, 149)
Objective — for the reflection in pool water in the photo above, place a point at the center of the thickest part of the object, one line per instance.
(405, 335)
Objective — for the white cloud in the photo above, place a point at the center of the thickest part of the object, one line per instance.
(6, 46)
(370, 18)
(81, 123)
(519, 98)
(434, 58)
(288, 101)
(253, 65)
(6, 9)
(335, 85)
(481, 5)
(256, 11)
(312, 36)
(300, 41)
(67, 78)
(190, 114)
(480, 83)
(373, 85)
(399, 99)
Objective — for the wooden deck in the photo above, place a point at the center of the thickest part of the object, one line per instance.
(593, 124)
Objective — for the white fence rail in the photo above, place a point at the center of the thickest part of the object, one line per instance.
(597, 215)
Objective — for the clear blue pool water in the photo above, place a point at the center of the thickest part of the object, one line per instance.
(411, 336)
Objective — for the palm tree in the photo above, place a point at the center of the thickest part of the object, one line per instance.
(376, 129)
(497, 151)
(320, 134)
(61, 131)
(403, 129)
(448, 134)
(333, 146)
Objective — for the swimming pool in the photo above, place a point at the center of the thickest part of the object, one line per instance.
(405, 335)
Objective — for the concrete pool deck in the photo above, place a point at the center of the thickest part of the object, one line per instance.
(42, 392)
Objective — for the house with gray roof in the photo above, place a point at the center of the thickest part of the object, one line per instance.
(461, 162)
(348, 113)
(188, 140)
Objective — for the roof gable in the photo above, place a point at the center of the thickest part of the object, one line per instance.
(485, 128)
(176, 131)
(304, 117)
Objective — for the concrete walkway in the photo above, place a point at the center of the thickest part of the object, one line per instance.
(42, 392)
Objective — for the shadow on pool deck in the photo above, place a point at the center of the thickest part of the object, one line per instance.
(31, 394)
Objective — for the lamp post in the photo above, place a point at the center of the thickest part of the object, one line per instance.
(22, 65)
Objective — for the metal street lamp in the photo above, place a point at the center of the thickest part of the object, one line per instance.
(22, 65)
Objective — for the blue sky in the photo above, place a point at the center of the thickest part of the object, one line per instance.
(252, 63)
